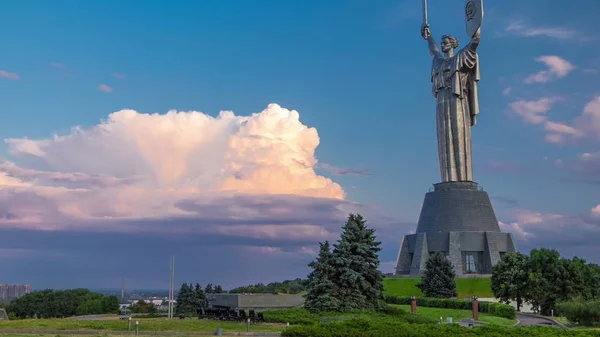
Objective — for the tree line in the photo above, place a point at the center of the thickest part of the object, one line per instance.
(62, 303)
(347, 277)
(544, 279)
(191, 298)
(295, 286)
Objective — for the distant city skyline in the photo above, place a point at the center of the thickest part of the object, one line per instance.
(237, 135)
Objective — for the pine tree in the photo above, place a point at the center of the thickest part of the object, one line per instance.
(186, 299)
(438, 280)
(200, 299)
(321, 292)
(355, 261)
(218, 289)
(209, 289)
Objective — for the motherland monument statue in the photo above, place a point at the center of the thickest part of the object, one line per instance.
(457, 217)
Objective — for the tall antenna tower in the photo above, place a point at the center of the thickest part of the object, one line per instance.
(122, 288)
(171, 286)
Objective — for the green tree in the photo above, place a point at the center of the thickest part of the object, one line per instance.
(219, 289)
(544, 271)
(186, 300)
(509, 278)
(209, 289)
(355, 262)
(60, 303)
(143, 307)
(200, 297)
(438, 279)
(322, 292)
(570, 282)
(589, 275)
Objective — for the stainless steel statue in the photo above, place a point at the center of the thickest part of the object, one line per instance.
(454, 77)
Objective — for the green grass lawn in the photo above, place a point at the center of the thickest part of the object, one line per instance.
(147, 324)
(466, 287)
(457, 315)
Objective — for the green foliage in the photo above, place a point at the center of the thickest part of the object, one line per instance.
(347, 279)
(493, 308)
(544, 278)
(295, 286)
(292, 316)
(209, 289)
(465, 287)
(321, 290)
(62, 303)
(389, 328)
(304, 317)
(190, 299)
(580, 312)
(438, 280)
(143, 307)
(509, 278)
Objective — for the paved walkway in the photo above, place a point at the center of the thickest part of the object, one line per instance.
(528, 320)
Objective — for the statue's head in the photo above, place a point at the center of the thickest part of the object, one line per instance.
(449, 42)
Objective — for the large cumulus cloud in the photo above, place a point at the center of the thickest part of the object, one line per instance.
(227, 187)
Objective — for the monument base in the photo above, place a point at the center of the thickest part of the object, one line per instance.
(457, 219)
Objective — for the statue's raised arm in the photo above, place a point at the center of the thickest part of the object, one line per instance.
(434, 50)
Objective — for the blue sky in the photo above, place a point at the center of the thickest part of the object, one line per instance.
(356, 71)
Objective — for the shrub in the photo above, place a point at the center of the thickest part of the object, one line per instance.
(580, 312)
(492, 308)
(304, 317)
(385, 328)
(292, 316)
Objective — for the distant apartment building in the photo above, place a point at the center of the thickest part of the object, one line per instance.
(10, 291)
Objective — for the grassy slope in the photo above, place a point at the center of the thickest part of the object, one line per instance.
(466, 287)
(457, 315)
(150, 324)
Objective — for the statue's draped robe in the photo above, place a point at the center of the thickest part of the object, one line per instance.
(454, 81)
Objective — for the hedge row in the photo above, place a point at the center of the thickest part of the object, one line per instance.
(492, 308)
(580, 312)
(366, 328)
(301, 316)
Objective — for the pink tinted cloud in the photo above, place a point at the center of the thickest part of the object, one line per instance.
(559, 133)
(539, 229)
(119, 76)
(58, 65)
(557, 68)
(9, 75)
(247, 177)
(534, 112)
(104, 88)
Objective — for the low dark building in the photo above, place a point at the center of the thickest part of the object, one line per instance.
(254, 301)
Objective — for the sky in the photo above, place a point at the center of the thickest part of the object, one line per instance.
(237, 135)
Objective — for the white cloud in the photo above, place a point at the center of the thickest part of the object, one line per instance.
(538, 229)
(105, 88)
(589, 121)
(179, 164)
(507, 91)
(557, 68)
(534, 112)
(585, 125)
(596, 211)
(9, 75)
(522, 29)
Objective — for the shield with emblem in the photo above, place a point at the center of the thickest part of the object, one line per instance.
(473, 15)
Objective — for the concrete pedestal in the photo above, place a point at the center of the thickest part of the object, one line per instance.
(458, 220)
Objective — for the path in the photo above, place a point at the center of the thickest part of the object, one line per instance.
(528, 320)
